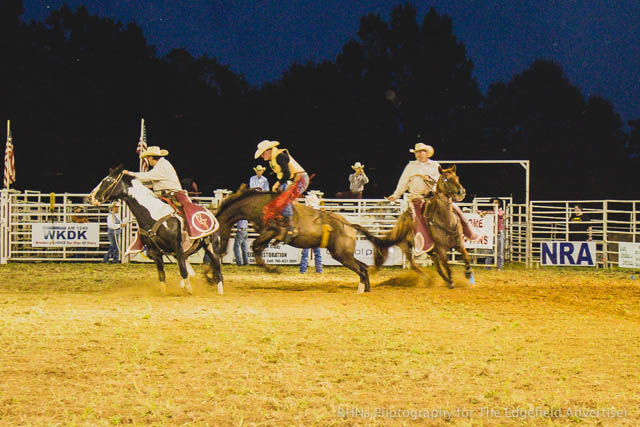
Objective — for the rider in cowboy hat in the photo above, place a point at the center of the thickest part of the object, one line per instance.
(286, 170)
(258, 180)
(419, 178)
(163, 176)
(357, 180)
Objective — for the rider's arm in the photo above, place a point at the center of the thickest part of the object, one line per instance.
(283, 161)
(155, 174)
(403, 183)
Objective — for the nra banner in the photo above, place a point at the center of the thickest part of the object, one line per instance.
(629, 255)
(70, 235)
(570, 254)
(483, 226)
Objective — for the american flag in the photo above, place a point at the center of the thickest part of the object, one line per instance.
(9, 163)
(142, 146)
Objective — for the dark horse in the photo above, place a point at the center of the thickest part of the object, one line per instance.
(313, 226)
(442, 223)
(164, 232)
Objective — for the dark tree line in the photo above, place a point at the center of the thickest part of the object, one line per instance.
(76, 86)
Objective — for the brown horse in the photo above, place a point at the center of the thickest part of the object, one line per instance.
(442, 223)
(313, 227)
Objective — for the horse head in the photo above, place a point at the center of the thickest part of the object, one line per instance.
(110, 188)
(449, 184)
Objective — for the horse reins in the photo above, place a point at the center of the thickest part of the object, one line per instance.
(111, 188)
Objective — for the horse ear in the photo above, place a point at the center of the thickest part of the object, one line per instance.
(440, 169)
(453, 168)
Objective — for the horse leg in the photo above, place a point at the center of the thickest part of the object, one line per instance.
(467, 259)
(157, 258)
(259, 244)
(215, 265)
(364, 269)
(348, 260)
(439, 257)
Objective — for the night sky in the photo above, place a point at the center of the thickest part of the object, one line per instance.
(595, 41)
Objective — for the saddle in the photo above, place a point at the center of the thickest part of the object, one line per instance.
(198, 221)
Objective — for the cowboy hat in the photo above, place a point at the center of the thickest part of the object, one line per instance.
(423, 147)
(154, 151)
(259, 168)
(357, 165)
(264, 146)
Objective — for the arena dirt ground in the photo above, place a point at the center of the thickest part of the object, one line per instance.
(95, 344)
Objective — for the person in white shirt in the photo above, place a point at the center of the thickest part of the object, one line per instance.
(357, 181)
(258, 180)
(419, 179)
(162, 175)
(114, 226)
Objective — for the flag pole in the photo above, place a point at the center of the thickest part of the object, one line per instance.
(142, 136)
(8, 133)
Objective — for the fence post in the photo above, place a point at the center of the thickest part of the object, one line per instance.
(605, 249)
(5, 226)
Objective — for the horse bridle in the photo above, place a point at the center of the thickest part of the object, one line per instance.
(454, 229)
(111, 188)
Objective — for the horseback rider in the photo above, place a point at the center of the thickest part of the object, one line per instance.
(163, 177)
(419, 178)
(288, 172)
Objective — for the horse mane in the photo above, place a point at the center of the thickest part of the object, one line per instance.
(241, 193)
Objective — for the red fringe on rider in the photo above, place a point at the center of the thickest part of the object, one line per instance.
(273, 209)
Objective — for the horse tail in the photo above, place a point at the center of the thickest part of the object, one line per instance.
(382, 244)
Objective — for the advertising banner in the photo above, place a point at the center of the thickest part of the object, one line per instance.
(569, 254)
(62, 234)
(629, 255)
(483, 226)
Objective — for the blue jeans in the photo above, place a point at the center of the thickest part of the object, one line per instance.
(499, 250)
(113, 252)
(304, 260)
(240, 247)
(303, 183)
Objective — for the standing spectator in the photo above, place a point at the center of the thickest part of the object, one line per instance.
(258, 181)
(114, 225)
(313, 202)
(579, 228)
(357, 181)
(240, 243)
(499, 212)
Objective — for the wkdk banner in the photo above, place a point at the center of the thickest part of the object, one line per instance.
(62, 234)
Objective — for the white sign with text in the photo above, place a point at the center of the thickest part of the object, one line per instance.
(483, 226)
(629, 255)
(63, 234)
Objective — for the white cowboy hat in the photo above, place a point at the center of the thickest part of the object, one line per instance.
(154, 151)
(423, 147)
(357, 165)
(264, 146)
(259, 168)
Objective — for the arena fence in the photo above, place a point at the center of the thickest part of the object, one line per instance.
(612, 221)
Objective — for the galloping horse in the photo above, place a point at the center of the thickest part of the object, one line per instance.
(163, 228)
(442, 223)
(315, 229)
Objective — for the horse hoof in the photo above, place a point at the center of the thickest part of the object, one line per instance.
(220, 290)
(360, 288)
(450, 286)
(472, 280)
